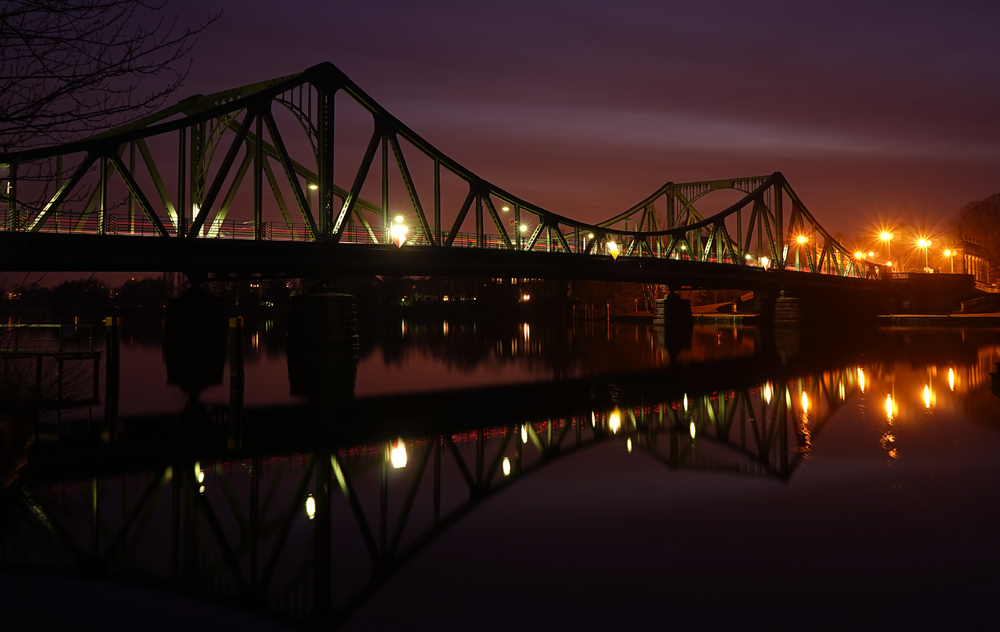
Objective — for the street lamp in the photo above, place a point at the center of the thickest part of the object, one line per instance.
(924, 243)
(886, 236)
(951, 259)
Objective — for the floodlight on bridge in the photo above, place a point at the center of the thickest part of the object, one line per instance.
(802, 239)
(398, 232)
(313, 186)
(613, 249)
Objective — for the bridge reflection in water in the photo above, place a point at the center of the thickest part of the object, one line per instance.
(304, 520)
(310, 534)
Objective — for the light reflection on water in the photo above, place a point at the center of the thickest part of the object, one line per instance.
(867, 477)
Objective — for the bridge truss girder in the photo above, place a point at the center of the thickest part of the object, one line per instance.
(226, 146)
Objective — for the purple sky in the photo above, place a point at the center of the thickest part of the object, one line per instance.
(870, 109)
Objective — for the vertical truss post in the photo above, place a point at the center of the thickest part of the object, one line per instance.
(517, 224)
(437, 200)
(326, 128)
(385, 189)
(131, 196)
(12, 219)
(58, 208)
(480, 233)
(198, 168)
(779, 224)
(181, 184)
(258, 184)
(102, 216)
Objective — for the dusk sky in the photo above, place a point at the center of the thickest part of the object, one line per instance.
(869, 109)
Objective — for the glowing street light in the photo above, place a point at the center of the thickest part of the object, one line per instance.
(886, 236)
(925, 244)
(951, 259)
(802, 239)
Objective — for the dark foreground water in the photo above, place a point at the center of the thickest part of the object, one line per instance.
(519, 476)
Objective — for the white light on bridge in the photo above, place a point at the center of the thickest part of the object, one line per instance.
(398, 454)
(505, 209)
(311, 507)
(523, 228)
(313, 186)
(398, 233)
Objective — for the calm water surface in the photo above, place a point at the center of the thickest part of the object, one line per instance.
(555, 475)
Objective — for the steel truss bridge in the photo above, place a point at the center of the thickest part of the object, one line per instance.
(308, 533)
(308, 175)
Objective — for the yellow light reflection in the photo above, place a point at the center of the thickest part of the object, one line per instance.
(861, 379)
(444, 327)
(524, 433)
(951, 379)
(615, 421)
(927, 396)
(311, 507)
(527, 332)
(768, 392)
(685, 402)
(805, 402)
(628, 444)
(842, 392)
(889, 407)
(692, 430)
(398, 455)
(506, 466)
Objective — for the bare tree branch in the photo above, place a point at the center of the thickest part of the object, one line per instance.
(73, 66)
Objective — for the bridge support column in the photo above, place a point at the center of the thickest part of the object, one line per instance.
(787, 311)
(672, 311)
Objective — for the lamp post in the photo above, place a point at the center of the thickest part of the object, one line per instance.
(951, 259)
(886, 236)
(924, 243)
